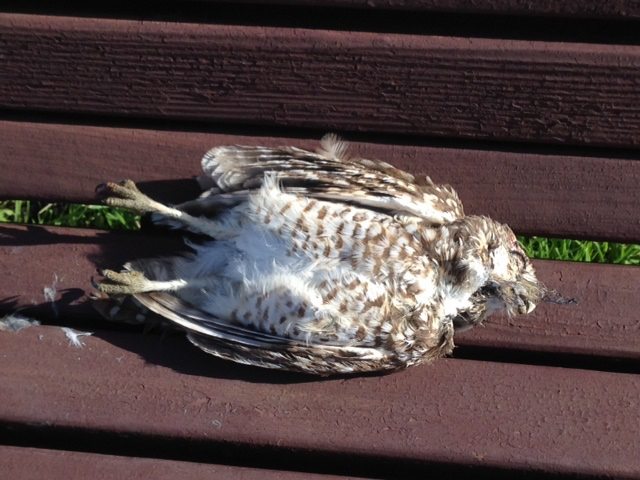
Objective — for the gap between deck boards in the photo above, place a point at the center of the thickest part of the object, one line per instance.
(206, 456)
(30, 463)
(91, 120)
(619, 27)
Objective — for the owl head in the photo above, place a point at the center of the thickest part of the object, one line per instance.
(512, 284)
(508, 281)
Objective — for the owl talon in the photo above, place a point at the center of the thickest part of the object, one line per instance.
(124, 189)
(125, 283)
(125, 194)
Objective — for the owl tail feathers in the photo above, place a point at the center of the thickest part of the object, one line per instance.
(124, 309)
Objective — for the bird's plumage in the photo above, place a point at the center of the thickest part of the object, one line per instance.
(327, 264)
(232, 172)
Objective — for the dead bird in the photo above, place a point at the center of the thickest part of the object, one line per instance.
(323, 263)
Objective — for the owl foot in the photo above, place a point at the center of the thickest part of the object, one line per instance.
(125, 194)
(124, 283)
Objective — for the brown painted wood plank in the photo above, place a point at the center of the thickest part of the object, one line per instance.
(31, 463)
(464, 412)
(423, 85)
(605, 321)
(559, 195)
(574, 8)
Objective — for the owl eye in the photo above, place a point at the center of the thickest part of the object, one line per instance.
(522, 258)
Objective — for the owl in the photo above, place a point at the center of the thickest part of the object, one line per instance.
(323, 263)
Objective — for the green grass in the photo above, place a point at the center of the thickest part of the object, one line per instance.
(69, 215)
(96, 216)
(581, 250)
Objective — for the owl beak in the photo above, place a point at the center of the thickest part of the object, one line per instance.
(525, 306)
(530, 306)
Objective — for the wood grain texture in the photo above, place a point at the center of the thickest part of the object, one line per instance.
(605, 322)
(558, 195)
(38, 463)
(422, 85)
(520, 417)
(618, 9)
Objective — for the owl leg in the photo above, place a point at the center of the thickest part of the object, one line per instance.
(126, 195)
(129, 282)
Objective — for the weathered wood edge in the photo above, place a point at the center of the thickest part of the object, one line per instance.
(546, 92)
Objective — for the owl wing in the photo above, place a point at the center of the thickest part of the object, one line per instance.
(246, 345)
(232, 172)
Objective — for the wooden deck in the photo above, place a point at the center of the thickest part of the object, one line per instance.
(536, 127)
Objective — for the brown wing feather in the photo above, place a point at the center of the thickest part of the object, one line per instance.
(232, 172)
(246, 345)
